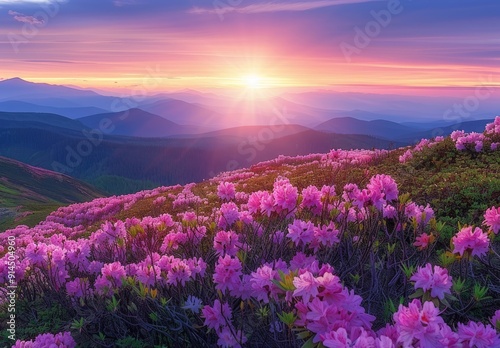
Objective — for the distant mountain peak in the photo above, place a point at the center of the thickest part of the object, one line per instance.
(15, 80)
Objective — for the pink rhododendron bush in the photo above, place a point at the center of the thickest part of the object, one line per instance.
(237, 263)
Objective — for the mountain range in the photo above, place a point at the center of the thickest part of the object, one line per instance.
(166, 141)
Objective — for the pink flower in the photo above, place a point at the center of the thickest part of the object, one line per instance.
(475, 242)
(179, 272)
(421, 214)
(326, 235)
(384, 184)
(229, 214)
(114, 271)
(327, 192)
(384, 342)
(148, 275)
(350, 193)
(495, 320)
(102, 285)
(267, 203)
(408, 155)
(37, 253)
(301, 261)
(254, 202)
(418, 323)
(389, 212)
(301, 232)
(262, 283)
(113, 231)
(437, 281)
(321, 317)
(77, 288)
(227, 274)
(363, 198)
(423, 241)
(285, 197)
(60, 340)
(468, 141)
(494, 127)
(216, 316)
(227, 243)
(336, 339)
(306, 286)
(160, 201)
(492, 219)
(311, 199)
(226, 191)
(449, 338)
(478, 335)
(330, 289)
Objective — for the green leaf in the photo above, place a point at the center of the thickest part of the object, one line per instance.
(304, 334)
(287, 318)
(418, 293)
(408, 270)
(309, 343)
(78, 324)
(458, 285)
(479, 292)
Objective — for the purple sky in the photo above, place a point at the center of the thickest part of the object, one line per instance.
(277, 44)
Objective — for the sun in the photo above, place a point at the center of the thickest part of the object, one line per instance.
(252, 81)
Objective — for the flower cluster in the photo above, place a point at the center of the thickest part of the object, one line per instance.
(475, 142)
(337, 158)
(60, 340)
(423, 144)
(285, 261)
(436, 280)
(471, 241)
(492, 219)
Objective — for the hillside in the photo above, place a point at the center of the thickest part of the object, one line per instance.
(73, 113)
(142, 162)
(135, 123)
(181, 112)
(38, 120)
(278, 245)
(52, 95)
(28, 194)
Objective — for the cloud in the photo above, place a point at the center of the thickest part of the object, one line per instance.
(26, 19)
(22, 2)
(276, 7)
(121, 3)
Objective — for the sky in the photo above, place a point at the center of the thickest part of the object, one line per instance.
(348, 45)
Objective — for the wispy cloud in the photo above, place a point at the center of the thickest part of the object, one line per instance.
(277, 6)
(22, 2)
(121, 3)
(26, 19)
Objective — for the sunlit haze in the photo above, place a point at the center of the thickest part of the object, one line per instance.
(172, 45)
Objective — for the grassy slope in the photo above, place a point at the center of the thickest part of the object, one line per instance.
(28, 194)
(459, 186)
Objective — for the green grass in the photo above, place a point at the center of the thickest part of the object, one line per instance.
(33, 194)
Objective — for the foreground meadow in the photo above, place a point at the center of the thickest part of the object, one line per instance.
(360, 248)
